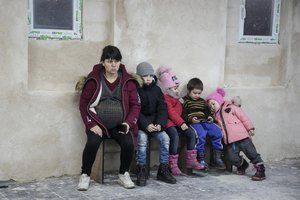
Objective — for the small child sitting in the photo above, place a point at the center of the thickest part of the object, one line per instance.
(176, 125)
(196, 112)
(152, 122)
(237, 132)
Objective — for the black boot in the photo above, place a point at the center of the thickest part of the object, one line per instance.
(241, 170)
(164, 174)
(260, 173)
(218, 162)
(141, 175)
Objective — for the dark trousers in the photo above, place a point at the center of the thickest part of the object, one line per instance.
(174, 132)
(247, 147)
(93, 142)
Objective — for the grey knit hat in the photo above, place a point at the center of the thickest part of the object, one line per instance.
(144, 69)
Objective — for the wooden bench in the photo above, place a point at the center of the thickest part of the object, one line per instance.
(110, 146)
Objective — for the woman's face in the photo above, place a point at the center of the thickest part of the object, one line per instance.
(111, 66)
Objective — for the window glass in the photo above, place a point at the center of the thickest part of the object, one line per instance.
(54, 19)
(259, 21)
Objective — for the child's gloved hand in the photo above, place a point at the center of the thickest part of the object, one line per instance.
(236, 100)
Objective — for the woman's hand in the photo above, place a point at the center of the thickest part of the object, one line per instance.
(97, 130)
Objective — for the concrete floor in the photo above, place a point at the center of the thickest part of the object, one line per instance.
(282, 183)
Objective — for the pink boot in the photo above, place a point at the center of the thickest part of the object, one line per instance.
(191, 160)
(174, 166)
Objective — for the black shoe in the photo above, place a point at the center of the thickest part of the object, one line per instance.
(218, 162)
(260, 173)
(141, 176)
(241, 170)
(164, 174)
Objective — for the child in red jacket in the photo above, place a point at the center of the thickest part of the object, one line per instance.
(237, 131)
(176, 124)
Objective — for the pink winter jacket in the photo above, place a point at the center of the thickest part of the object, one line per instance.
(236, 123)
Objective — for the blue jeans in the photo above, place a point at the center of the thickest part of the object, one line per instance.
(213, 131)
(174, 133)
(142, 143)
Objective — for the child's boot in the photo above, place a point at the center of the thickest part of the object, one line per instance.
(141, 175)
(260, 172)
(201, 159)
(218, 162)
(241, 170)
(174, 166)
(191, 160)
(164, 174)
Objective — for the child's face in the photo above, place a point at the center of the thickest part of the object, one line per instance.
(148, 79)
(195, 94)
(213, 105)
(174, 92)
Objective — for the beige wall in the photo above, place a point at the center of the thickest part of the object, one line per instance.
(41, 131)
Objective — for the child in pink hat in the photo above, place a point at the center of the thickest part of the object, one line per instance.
(237, 131)
(176, 125)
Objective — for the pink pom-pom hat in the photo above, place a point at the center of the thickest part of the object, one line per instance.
(218, 96)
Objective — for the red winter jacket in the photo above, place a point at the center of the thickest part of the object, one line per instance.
(236, 123)
(91, 94)
(174, 111)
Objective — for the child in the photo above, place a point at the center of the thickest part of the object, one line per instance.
(196, 112)
(176, 125)
(152, 122)
(237, 132)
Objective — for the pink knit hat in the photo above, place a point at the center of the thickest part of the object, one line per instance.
(166, 78)
(217, 96)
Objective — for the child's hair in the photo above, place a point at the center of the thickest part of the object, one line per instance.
(194, 83)
(111, 52)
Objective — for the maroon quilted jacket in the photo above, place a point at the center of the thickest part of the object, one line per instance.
(91, 94)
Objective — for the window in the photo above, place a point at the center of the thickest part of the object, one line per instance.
(259, 21)
(54, 19)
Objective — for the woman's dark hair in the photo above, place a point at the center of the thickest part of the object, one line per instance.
(111, 52)
(194, 83)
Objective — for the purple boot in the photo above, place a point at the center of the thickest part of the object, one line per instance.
(191, 160)
(174, 166)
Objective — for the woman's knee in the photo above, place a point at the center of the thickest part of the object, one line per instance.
(93, 141)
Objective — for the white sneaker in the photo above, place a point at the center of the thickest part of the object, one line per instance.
(125, 180)
(84, 182)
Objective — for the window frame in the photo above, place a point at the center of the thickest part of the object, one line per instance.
(259, 39)
(60, 34)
